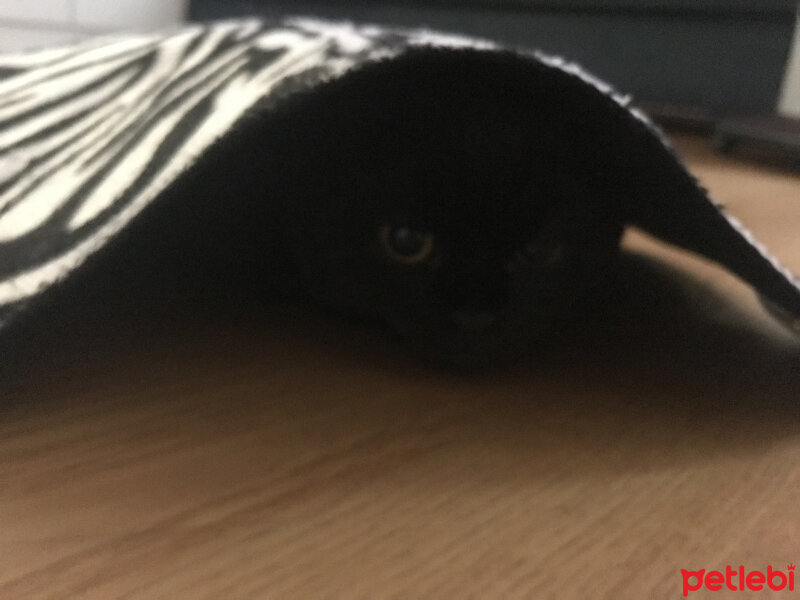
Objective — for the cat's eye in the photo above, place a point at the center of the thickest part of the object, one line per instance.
(406, 245)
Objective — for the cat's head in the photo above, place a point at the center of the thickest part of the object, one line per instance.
(429, 204)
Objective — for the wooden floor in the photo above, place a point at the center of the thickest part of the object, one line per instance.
(275, 454)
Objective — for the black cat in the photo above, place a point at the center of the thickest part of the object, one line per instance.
(443, 197)
(465, 199)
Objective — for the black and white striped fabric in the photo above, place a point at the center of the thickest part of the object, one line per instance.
(93, 133)
(90, 134)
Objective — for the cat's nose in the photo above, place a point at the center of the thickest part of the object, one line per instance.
(477, 309)
(476, 299)
(473, 319)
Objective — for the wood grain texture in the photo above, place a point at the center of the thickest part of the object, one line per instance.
(273, 453)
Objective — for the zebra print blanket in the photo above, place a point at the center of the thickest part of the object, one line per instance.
(93, 133)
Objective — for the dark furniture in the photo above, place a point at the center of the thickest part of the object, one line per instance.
(723, 56)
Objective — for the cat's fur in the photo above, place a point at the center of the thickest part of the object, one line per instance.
(469, 149)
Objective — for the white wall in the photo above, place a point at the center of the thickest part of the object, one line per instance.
(35, 23)
(790, 94)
